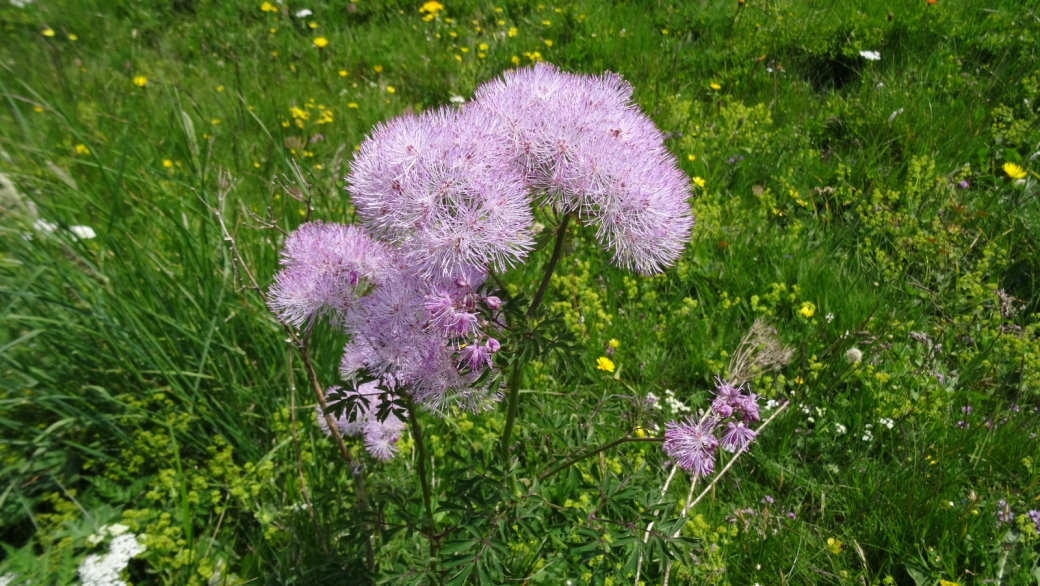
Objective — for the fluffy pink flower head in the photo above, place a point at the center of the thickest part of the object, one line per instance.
(441, 186)
(327, 266)
(584, 145)
(737, 437)
(692, 445)
(380, 436)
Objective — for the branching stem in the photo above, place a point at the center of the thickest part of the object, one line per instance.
(420, 446)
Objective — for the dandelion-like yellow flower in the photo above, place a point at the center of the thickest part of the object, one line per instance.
(512, 31)
(166, 163)
(515, 60)
(548, 42)
(431, 8)
(342, 72)
(268, 7)
(835, 546)
(352, 105)
(483, 46)
(808, 309)
(378, 69)
(73, 37)
(604, 363)
(140, 81)
(613, 343)
(321, 42)
(1014, 171)
(715, 86)
(81, 149)
(947, 583)
(215, 121)
(220, 88)
(664, 32)
(48, 32)
(698, 182)
(390, 89)
(691, 157)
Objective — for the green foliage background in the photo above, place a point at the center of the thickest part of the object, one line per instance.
(142, 383)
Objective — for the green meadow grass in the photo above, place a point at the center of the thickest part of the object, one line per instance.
(853, 204)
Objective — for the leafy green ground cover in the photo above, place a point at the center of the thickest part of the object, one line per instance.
(881, 215)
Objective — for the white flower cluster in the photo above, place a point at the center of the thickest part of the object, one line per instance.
(653, 400)
(114, 530)
(886, 422)
(771, 404)
(868, 433)
(104, 571)
(80, 232)
(839, 428)
(674, 405)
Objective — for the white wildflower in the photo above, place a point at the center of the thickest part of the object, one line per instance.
(457, 99)
(42, 225)
(17, 4)
(303, 13)
(83, 232)
(839, 429)
(829, 317)
(870, 55)
(891, 118)
(886, 422)
(104, 570)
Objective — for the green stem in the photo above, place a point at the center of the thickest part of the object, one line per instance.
(612, 444)
(413, 419)
(556, 254)
(514, 403)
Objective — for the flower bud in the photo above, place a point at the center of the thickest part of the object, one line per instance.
(493, 302)
(493, 345)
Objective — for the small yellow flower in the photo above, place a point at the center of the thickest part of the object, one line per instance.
(465, 49)
(140, 81)
(167, 163)
(342, 72)
(390, 89)
(1014, 171)
(515, 60)
(947, 583)
(808, 309)
(378, 69)
(715, 86)
(268, 7)
(81, 149)
(835, 546)
(640, 432)
(548, 42)
(501, 23)
(313, 25)
(37, 109)
(215, 121)
(48, 32)
(691, 157)
(73, 37)
(458, 57)
(318, 166)
(482, 54)
(512, 31)
(255, 164)
(613, 343)
(431, 8)
(604, 363)
(698, 182)
(664, 32)
(547, 23)
(220, 88)
(483, 46)
(321, 42)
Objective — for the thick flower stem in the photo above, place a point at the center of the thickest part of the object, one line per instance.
(556, 254)
(420, 446)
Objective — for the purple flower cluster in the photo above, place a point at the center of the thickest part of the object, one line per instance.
(583, 146)
(693, 444)
(1034, 516)
(1004, 514)
(380, 436)
(447, 195)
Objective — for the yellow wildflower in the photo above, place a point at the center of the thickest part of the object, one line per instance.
(215, 121)
(515, 60)
(547, 23)
(140, 81)
(48, 32)
(431, 8)
(255, 164)
(501, 23)
(321, 42)
(268, 7)
(512, 31)
(664, 32)
(715, 86)
(483, 46)
(613, 343)
(352, 105)
(390, 89)
(73, 37)
(548, 42)
(808, 309)
(835, 546)
(698, 182)
(691, 157)
(37, 109)
(378, 69)
(604, 363)
(342, 72)
(313, 25)
(947, 583)
(1014, 171)
(167, 163)
(220, 88)
(81, 149)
